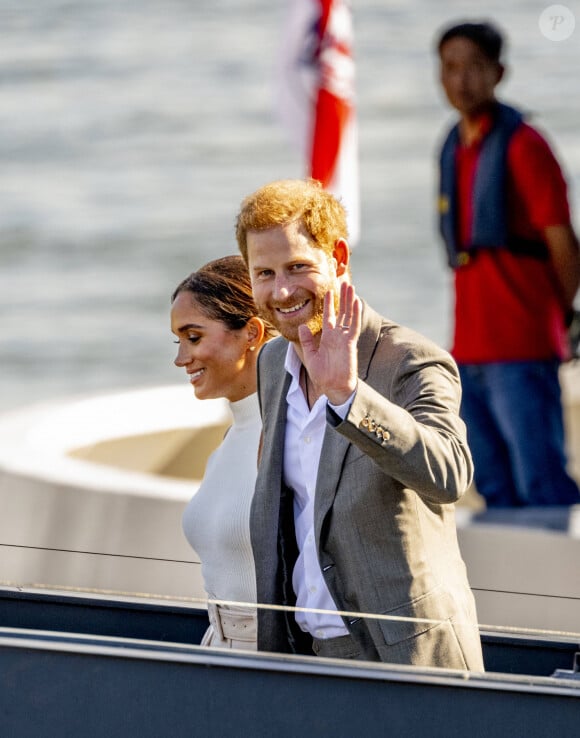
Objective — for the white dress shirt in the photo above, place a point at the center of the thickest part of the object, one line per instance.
(303, 442)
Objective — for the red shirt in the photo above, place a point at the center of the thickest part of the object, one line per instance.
(506, 306)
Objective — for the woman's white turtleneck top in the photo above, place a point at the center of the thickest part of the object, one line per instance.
(216, 522)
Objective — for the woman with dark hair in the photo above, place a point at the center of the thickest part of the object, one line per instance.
(219, 335)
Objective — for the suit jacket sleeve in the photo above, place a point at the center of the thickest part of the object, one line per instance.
(405, 416)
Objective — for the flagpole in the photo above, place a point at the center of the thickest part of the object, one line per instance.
(316, 97)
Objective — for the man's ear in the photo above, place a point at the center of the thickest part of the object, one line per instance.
(341, 255)
(501, 73)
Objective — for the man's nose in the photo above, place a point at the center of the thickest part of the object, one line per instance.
(462, 78)
(281, 287)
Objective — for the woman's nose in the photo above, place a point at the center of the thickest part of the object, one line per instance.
(182, 358)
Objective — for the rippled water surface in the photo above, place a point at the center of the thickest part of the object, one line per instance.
(131, 129)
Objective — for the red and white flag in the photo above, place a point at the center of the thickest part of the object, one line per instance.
(316, 97)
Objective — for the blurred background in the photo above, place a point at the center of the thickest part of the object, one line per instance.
(131, 129)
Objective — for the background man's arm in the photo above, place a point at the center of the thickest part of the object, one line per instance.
(565, 256)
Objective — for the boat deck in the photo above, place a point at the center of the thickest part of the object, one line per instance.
(94, 667)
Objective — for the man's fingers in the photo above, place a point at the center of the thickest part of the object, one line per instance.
(349, 308)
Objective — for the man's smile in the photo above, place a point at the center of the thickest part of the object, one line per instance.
(293, 309)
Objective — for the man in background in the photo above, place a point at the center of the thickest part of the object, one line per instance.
(505, 220)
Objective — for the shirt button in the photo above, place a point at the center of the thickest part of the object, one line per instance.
(319, 633)
(312, 590)
(306, 439)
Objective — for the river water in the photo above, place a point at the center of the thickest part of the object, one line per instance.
(131, 129)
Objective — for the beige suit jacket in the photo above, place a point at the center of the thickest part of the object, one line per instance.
(388, 478)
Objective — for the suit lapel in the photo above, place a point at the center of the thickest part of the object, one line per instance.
(273, 385)
(332, 455)
(335, 445)
(368, 339)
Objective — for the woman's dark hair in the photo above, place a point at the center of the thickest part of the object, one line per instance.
(485, 35)
(223, 291)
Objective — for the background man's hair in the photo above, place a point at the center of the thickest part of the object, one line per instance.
(485, 34)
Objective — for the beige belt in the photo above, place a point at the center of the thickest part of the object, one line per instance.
(236, 623)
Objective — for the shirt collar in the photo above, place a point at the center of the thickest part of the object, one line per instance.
(292, 363)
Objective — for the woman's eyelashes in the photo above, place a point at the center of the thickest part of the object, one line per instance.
(191, 339)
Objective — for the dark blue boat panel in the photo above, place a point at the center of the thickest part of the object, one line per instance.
(67, 689)
(102, 616)
(503, 652)
(510, 654)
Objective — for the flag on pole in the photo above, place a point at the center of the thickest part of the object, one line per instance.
(316, 97)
